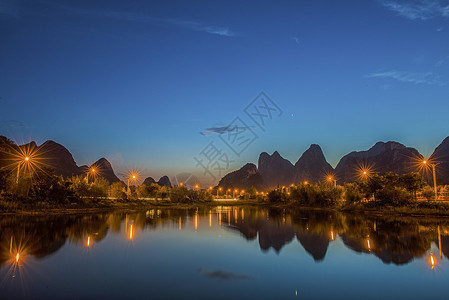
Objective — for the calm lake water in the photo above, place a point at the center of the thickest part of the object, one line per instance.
(226, 253)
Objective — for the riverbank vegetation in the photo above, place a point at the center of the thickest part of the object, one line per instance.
(390, 192)
(40, 188)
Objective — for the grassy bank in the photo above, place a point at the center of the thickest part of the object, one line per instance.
(105, 205)
(413, 209)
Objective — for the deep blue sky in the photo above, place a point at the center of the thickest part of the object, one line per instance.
(137, 81)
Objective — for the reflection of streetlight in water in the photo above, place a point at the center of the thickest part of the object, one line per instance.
(131, 233)
(368, 244)
(432, 261)
(195, 220)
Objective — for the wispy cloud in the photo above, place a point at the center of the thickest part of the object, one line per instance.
(411, 77)
(442, 61)
(136, 17)
(225, 129)
(295, 39)
(197, 26)
(224, 275)
(419, 10)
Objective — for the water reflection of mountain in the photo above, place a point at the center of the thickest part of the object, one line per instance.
(271, 235)
(392, 240)
(40, 236)
(43, 235)
(314, 244)
(276, 228)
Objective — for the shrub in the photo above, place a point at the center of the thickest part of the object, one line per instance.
(352, 192)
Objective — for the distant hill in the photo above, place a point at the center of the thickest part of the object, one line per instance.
(57, 157)
(441, 158)
(163, 181)
(244, 178)
(52, 155)
(275, 170)
(382, 158)
(105, 170)
(312, 165)
(149, 181)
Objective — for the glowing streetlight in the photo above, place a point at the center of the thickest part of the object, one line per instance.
(133, 177)
(306, 182)
(181, 184)
(332, 179)
(197, 187)
(432, 166)
(25, 160)
(93, 171)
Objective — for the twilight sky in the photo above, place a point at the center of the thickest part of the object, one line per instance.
(138, 82)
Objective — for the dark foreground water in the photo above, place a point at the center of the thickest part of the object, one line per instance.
(226, 252)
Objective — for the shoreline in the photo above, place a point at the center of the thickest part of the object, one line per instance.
(438, 210)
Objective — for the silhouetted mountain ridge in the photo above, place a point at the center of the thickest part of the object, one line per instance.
(312, 166)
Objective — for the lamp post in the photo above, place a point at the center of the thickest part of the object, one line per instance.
(25, 160)
(133, 178)
(219, 190)
(332, 179)
(93, 174)
(427, 163)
